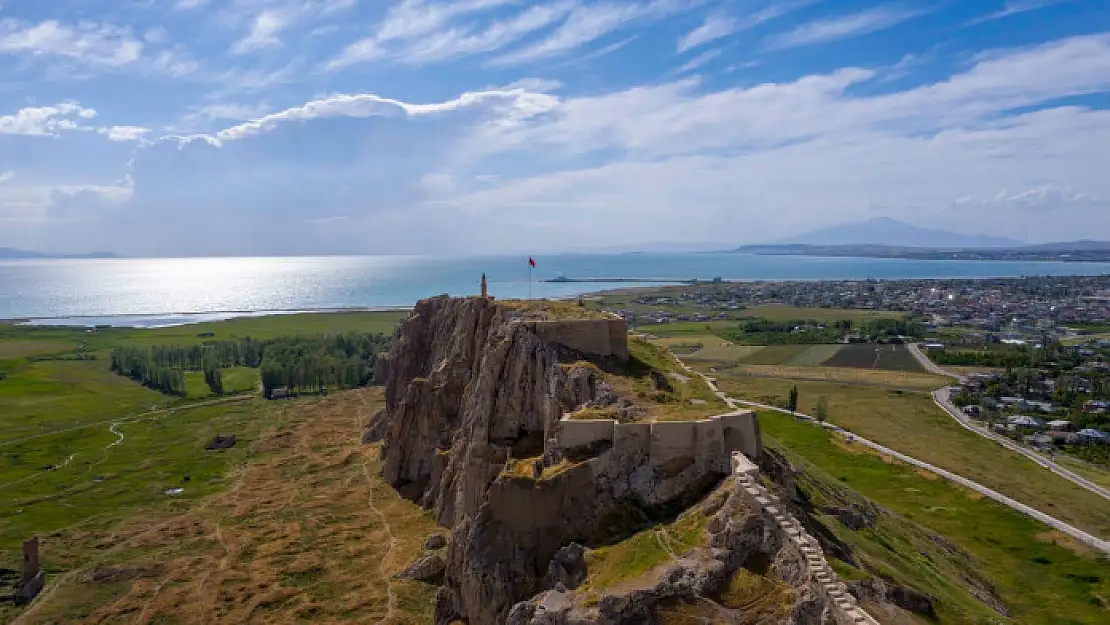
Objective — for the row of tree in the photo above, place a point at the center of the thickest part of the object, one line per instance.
(317, 363)
(138, 364)
(299, 363)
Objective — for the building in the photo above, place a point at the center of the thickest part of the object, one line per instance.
(1093, 437)
(1059, 425)
(1023, 421)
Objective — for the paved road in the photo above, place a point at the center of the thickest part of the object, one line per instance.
(1050, 521)
(943, 398)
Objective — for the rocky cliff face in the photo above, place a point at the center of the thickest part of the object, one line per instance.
(467, 389)
(470, 392)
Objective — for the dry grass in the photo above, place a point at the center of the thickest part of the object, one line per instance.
(306, 532)
(708, 348)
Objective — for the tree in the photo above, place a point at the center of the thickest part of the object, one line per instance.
(822, 411)
(792, 403)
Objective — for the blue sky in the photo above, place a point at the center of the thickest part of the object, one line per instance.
(208, 127)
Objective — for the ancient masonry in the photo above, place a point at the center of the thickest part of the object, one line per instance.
(845, 609)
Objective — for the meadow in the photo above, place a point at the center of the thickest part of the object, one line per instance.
(909, 421)
(80, 444)
(1040, 576)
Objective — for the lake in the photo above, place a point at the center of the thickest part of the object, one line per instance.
(168, 291)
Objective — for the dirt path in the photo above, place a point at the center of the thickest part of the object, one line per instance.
(360, 420)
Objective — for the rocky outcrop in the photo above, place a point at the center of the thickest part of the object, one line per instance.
(470, 391)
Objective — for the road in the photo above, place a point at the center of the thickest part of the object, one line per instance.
(943, 398)
(1053, 522)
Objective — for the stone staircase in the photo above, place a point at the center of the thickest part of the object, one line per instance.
(845, 609)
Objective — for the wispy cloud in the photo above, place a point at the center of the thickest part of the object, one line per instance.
(698, 61)
(1013, 8)
(714, 27)
(588, 23)
(88, 43)
(832, 29)
(408, 21)
(5, 176)
(263, 33)
(459, 42)
(123, 133)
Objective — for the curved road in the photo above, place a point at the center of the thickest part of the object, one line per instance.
(1074, 532)
(942, 398)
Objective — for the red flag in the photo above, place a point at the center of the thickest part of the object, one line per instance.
(531, 262)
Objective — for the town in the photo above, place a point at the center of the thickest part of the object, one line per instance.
(1031, 354)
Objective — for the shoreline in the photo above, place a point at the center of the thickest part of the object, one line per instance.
(223, 315)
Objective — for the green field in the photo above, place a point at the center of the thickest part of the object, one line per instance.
(79, 443)
(708, 347)
(888, 357)
(1041, 577)
(911, 423)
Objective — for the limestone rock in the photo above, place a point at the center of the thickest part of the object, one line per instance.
(427, 568)
(435, 541)
(879, 591)
(567, 570)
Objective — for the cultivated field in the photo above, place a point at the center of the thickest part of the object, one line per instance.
(864, 356)
(777, 312)
(710, 348)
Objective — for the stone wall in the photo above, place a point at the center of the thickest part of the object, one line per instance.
(710, 440)
(599, 337)
(845, 610)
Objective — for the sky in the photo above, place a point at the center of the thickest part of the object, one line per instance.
(287, 127)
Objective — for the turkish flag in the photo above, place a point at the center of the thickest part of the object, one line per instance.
(531, 262)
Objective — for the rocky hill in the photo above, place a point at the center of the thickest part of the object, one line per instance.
(475, 429)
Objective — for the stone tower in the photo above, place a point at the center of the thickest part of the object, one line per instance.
(484, 292)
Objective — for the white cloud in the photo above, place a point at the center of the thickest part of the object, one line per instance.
(699, 60)
(588, 23)
(456, 42)
(832, 29)
(1042, 198)
(5, 176)
(183, 5)
(714, 27)
(510, 105)
(1013, 8)
(123, 133)
(408, 21)
(45, 120)
(719, 25)
(263, 33)
(89, 43)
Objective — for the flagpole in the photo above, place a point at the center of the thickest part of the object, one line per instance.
(529, 280)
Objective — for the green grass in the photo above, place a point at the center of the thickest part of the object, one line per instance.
(911, 423)
(1039, 581)
(643, 551)
(235, 379)
(108, 478)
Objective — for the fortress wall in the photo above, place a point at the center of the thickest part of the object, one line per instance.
(707, 444)
(573, 433)
(599, 337)
(741, 433)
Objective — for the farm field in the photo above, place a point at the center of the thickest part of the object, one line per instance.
(911, 423)
(300, 527)
(235, 379)
(924, 382)
(1039, 575)
(864, 356)
(777, 312)
(707, 347)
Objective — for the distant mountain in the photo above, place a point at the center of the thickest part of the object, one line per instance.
(9, 252)
(891, 232)
(1084, 245)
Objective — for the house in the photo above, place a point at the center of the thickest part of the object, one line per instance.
(279, 392)
(1043, 406)
(1096, 406)
(1092, 436)
(971, 411)
(1059, 425)
(1023, 421)
(931, 346)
